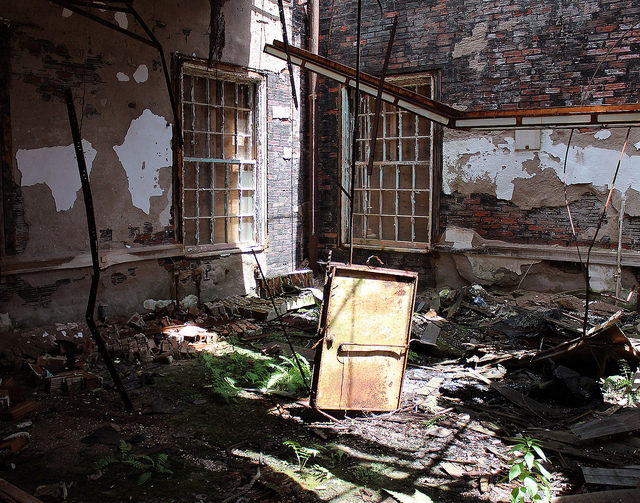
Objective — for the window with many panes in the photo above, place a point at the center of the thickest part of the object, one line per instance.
(219, 159)
(393, 203)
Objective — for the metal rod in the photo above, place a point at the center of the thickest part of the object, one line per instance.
(378, 106)
(619, 253)
(284, 331)
(93, 243)
(103, 22)
(285, 39)
(354, 144)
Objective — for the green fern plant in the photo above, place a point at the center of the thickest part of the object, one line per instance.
(527, 470)
(303, 454)
(140, 464)
(287, 376)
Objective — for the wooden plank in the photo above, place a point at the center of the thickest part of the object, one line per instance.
(12, 494)
(626, 477)
(617, 496)
(628, 420)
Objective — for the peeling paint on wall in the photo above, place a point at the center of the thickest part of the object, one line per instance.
(66, 13)
(491, 164)
(122, 77)
(57, 168)
(141, 74)
(145, 151)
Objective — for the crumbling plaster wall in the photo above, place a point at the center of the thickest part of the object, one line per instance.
(506, 55)
(126, 125)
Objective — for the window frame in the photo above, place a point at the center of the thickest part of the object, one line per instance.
(347, 117)
(225, 73)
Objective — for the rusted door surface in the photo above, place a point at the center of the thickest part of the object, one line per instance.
(366, 323)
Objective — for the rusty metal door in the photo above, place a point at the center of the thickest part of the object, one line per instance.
(366, 324)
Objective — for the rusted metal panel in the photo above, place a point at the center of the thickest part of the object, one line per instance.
(366, 324)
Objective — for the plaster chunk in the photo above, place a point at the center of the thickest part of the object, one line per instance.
(57, 168)
(141, 74)
(66, 13)
(122, 77)
(122, 20)
(145, 151)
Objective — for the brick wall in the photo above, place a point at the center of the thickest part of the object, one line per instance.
(492, 54)
(285, 189)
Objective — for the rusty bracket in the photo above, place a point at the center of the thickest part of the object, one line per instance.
(377, 346)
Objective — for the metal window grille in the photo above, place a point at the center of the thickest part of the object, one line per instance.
(393, 204)
(219, 159)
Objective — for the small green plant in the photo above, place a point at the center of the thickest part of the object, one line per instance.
(140, 464)
(413, 357)
(303, 454)
(429, 423)
(287, 376)
(621, 386)
(527, 469)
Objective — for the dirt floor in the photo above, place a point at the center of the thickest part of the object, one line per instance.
(461, 407)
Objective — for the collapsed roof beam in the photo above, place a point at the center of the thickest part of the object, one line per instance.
(533, 118)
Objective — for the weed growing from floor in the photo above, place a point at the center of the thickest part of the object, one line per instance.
(620, 387)
(142, 465)
(303, 454)
(527, 470)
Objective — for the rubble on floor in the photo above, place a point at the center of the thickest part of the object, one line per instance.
(485, 367)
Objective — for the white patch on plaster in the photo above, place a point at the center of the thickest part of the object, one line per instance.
(57, 168)
(141, 74)
(122, 19)
(122, 77)
(501, 164)
(602, 134)
(145, 151)
(66, 13)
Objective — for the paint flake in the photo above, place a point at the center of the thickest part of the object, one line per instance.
(141, 74)
(122, 77)
(121, 19)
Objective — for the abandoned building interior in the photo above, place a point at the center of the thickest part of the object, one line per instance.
(319, 250)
